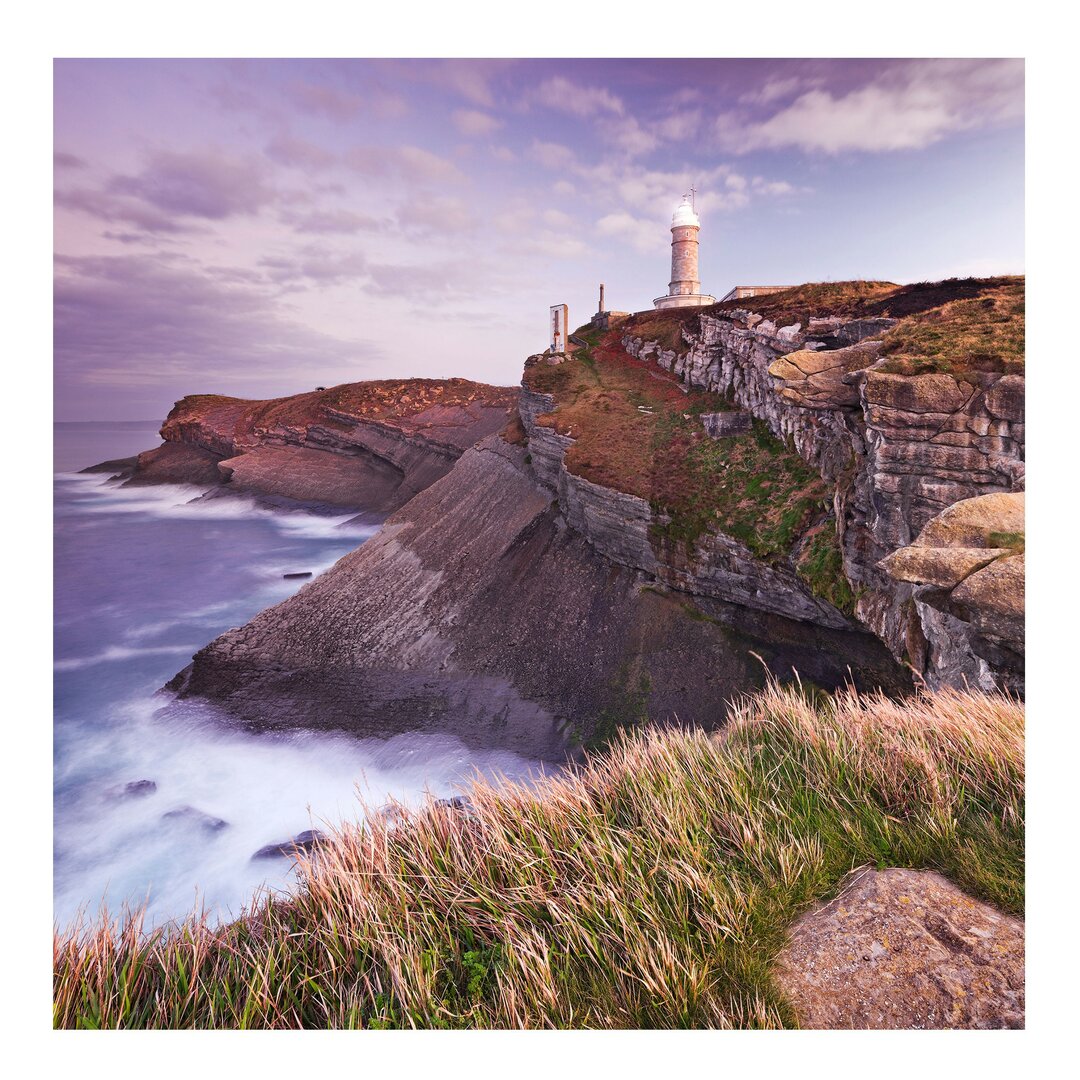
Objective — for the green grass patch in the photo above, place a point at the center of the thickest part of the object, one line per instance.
(820, 564)
(649, 888)
(1014, 541)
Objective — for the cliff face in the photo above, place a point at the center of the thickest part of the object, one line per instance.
(479, 610)
(368, 446)
(899, 441)
(683, 506)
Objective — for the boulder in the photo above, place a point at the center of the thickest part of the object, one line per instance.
(133, 789)
(904, 949)
(723, 425)
(189, 815)
(305, 841)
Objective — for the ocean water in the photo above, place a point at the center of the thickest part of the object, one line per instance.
(143, 578)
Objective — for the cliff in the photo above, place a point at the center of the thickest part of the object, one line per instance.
(369, 446)
(480, 610)
(904, 400)
(689, 500)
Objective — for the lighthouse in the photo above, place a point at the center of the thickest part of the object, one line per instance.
(684, 289)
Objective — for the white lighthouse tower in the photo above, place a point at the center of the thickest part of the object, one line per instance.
(684, 289)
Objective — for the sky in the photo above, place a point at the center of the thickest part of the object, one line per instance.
(261, 227)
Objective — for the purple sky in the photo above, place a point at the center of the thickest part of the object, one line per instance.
(261, 227)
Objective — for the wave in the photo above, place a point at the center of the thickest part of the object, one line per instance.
(121, 652)
(90, 493)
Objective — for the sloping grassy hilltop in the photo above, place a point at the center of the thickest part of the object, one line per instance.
(637, 430)
(393, 401)
(650, 888)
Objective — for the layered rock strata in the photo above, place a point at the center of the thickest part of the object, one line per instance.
(348, 447)
(621, 527)
(900, 448)
(967, 571)
(480, 610)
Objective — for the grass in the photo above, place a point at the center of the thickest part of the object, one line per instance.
(1013, 541)
(956, 326)
(388, 400)
(983, 333)
(637, 430)
(820, 564)
(650, 887)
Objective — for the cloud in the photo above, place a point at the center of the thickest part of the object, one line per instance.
(343, 222)
(678, 126)
(561, 94)
(553, 155)
(627, 135)
(210, 184)
(473, 123)
(775, 89)
(434, 215)
(297, 153)
(410, 163)
(643, 234)
(317, 99)
(117, 208)
(906, 107)
(314, 267)
(424, 282)
(62, 160)
(170, 323)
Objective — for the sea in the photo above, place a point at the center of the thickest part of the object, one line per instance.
(159, 805)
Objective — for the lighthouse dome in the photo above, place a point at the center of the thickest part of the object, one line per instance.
(684, 214)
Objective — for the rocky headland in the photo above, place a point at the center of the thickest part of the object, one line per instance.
(825, 491)
(360, 446)
(685, 503)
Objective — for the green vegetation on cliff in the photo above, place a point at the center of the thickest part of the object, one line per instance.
(636, 429)
(651, 887)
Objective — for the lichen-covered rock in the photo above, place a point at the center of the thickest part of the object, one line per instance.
(904, 949)
(814, 378)
(967, 572)
(900, 448)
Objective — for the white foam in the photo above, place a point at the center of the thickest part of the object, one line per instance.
(121, 652)
(268, 789)
(97, 495)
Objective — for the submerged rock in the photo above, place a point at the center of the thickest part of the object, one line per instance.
(905, 949)
(193, 816)
(133, 789)
(304, 841)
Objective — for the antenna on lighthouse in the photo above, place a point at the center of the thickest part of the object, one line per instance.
(693, 193)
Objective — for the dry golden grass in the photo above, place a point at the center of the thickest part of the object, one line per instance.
(983, 333)
(649, 888)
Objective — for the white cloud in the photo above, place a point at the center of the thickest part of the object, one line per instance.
(643, 234)
(907, 107)
(435, 215)
(777, 89)
(553, 155)
(473, 123)
(561, 94)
